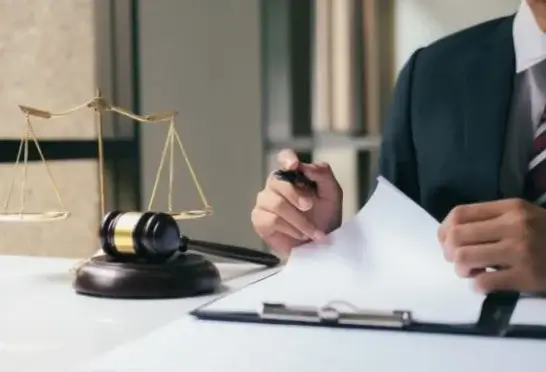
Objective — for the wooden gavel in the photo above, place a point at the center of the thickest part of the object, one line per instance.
(156, 237)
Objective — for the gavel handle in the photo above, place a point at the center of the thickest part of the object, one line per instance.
(233, 252)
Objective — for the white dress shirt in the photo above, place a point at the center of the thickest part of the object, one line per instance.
(529, 40)
(529, 99)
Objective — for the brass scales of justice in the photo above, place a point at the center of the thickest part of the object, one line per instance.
(143, 257)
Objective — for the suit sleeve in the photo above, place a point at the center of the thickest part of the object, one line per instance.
(397, 158)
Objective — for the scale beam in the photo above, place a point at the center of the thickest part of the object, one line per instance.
(99, 105)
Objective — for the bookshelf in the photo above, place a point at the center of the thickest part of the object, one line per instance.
(327, 71)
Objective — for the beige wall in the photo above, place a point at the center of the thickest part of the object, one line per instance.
(202, 58)
(47, 61)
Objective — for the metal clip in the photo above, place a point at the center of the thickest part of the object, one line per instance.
(329, 314)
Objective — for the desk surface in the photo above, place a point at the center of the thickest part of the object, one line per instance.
(203, 346)
(46, 326)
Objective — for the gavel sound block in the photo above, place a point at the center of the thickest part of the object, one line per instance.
(145, 258)
(185, 275)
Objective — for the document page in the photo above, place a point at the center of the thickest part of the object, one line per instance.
(530, 310)
(386, 258)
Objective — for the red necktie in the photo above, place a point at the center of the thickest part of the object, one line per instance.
(536, 176)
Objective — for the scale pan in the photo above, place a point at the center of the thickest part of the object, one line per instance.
(33, 217)
(193, 214)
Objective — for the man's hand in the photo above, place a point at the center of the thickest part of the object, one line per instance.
(508, 235)
(286, 216)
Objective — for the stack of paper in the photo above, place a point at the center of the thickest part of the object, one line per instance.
(386, 258)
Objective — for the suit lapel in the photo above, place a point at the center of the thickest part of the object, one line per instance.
(488, 95)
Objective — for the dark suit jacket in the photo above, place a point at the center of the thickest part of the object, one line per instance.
(443, 140)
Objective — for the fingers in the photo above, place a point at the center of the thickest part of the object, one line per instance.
(281, 244)
(269, 224)
(473, 247)
(298, 197)
(288, 159)
(279, 214)
(500, 280)
(322, 174)
(489, 243)
(453, 237)
(283, 209)
(481, 211)
(318, 172)
(469, 260)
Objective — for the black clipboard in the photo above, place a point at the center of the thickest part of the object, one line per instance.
(494, 319)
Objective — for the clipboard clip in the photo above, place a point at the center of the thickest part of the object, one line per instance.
(331, 314)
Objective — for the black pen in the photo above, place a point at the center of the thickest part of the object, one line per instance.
(296, 177)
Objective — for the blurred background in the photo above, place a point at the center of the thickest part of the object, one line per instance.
(247, 78)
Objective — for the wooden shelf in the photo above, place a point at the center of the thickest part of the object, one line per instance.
(322, 94)
(326, 141)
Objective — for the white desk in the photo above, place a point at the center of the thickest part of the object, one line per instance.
(45, 326)
(190, 345)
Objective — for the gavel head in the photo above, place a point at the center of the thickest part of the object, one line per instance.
(146, 235)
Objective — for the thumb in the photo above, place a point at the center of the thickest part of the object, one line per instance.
(288, 159)
(323, 175)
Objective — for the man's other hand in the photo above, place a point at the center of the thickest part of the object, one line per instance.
(507, 235)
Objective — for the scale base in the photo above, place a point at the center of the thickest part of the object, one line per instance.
(185, 275)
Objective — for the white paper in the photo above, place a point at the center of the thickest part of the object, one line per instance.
(529, 311)
(386, 258)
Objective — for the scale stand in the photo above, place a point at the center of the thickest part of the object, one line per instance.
(100, 275)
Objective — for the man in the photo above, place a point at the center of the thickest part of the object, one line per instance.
(466, 140)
